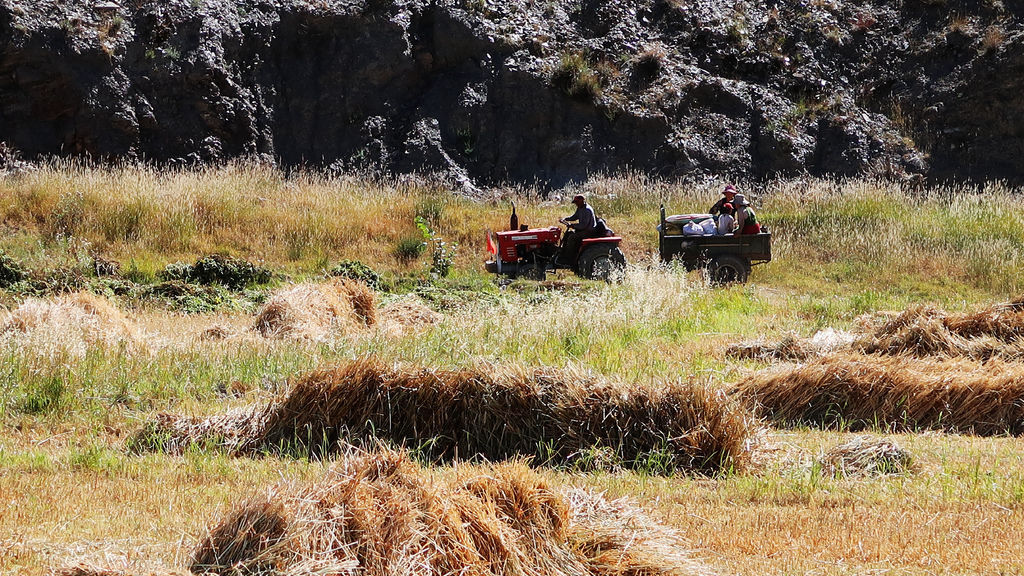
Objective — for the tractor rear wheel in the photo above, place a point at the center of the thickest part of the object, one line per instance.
(602, 263)
(728, 269)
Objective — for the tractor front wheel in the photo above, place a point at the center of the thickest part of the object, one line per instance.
(532, 271)
(602, 263)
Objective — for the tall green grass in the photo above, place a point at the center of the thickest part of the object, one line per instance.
(830, 237)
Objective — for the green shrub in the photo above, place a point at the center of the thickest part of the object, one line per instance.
(235, 273)
(192, 299)
(442, 252)
(356, 270)
(11, 271)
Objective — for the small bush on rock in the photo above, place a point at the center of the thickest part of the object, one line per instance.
(577, 78)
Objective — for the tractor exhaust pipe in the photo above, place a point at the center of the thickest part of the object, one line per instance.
(513, 221)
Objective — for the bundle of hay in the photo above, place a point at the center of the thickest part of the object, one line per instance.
(233, 431)
(317, 311)
(867, 456)
(408, 313)
(216, 333)
(381, 515)
(793, 348)
(929, 331)
(919, 330)
(893, 393)
(1004, 322)
(83, 569)
(557, 417)
(74, 322)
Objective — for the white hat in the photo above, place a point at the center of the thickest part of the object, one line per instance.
(740, 200)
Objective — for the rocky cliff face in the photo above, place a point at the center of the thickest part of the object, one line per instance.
(523, 90)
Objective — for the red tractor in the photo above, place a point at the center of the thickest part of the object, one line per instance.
(532, 252)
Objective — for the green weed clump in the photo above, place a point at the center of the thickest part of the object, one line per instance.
(11, 271)
(408, 248)
(234, 273)
(356, 270)
(193, 299)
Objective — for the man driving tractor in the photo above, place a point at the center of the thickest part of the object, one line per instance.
(581, 225)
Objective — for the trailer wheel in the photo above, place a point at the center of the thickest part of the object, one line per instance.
(602, 263)
(728, 269)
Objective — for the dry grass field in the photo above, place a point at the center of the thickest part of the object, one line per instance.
(652, 426)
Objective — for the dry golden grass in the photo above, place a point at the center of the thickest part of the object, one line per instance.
(556, 416)
(892, 393)
(134, 214)
(216, 332)
(379, 515)
(318, 310)
(957, 514)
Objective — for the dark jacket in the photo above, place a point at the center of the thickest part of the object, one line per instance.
(717, 208)
(584, 218)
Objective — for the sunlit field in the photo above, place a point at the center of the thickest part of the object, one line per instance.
(102, 340)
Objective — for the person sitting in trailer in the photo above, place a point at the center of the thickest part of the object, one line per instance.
(746, 220)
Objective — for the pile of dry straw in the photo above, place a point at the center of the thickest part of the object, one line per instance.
(318, 310)
(918, 331)
(556, 416)
(73, 322)
(381, 515)
(929, 331)
(920, 369)
(339, 306)
(897, 393)
(867, 456)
